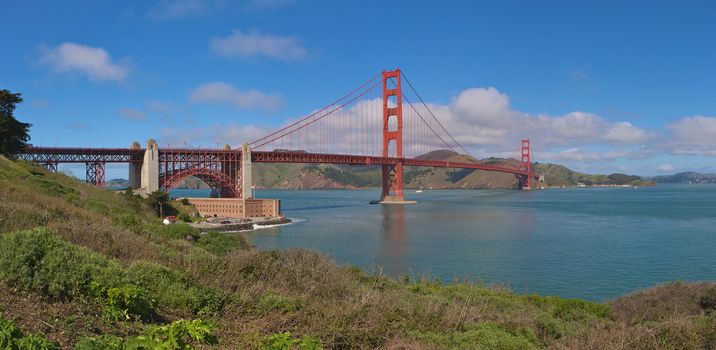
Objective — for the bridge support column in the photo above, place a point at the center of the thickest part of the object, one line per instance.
(246, 181)
(50, 166)
(392, 174)
(95, 173)
(135, 171)
(150, 169)
(526, 165)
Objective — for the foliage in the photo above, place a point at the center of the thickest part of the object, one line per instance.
(184, 217)
(37, 260)
(173, 288)
(272, 301)
(488, 335)
(221, 243)
(181, 334)
(8, 333)
(708, 300)
(11, 338)
(157, 200)
(284, 341)
(176, 231)
(185, 201)
(178, 335)
(103, 342)
(13, 133)
(126, 302)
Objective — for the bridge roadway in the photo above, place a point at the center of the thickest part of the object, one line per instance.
(46, 155)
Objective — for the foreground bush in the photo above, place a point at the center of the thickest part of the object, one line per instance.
(39, 261)
(174, 289)
(11, 338)
(179, 335)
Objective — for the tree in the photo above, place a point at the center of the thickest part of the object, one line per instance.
(13, 134)
(158, 199)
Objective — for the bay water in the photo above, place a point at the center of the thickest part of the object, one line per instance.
(590, 243)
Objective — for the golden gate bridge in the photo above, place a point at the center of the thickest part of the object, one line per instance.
(379, 123)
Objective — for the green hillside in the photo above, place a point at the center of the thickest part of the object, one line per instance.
(84, 268)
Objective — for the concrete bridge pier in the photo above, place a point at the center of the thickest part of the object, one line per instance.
(149, 171)
(246, 181)
(135, 171)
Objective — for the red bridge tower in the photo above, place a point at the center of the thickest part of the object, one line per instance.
(526, 165)
(392, 177)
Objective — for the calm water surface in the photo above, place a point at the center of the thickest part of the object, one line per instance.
(594, 243)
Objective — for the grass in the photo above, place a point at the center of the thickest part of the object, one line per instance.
(89, 268)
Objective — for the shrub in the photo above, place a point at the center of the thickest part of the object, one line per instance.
(222, 243)
(176, 231)
(103, 342)
(11, 338)
(126, 302)
(39, 261)
(98, 207)
(128, 221)
(184, 217)
(708, 300)
(51, 188)
(185, 201)
(272, 301)
(35, 342)
(284, 341)
(8, 333)
(488, 335)
(179, 334)
(173, 288)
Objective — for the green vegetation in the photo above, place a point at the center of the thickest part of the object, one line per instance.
(13, 134)
(180, 334)
(11, 338)
(93, 269)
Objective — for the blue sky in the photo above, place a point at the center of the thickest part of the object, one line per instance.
(600, 86)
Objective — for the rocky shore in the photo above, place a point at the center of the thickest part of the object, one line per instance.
(240, 226)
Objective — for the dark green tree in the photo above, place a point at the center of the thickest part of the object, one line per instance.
(158, 200)
(13, 134)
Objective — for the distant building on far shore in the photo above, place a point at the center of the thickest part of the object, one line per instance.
(238, 208)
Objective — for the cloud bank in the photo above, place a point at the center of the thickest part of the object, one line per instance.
(223, 93)
(93, 62)
(255, 44)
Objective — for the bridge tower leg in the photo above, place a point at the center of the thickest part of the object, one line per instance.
(135, 170)
(526, 165)
(246, 181)
(50, 166)
(392, 174)
(95, 173)
(150, 169)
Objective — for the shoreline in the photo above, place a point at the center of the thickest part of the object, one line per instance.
(204, 227)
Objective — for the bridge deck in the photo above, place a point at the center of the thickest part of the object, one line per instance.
(132, 155)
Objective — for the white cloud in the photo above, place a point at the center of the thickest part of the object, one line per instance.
(132, 114)
(692, 135)
(254, 44)
(211, 136)
(624, 132)
(94, 62)
(665, 168)
(223, 93)
(483, 118)
(178, 9)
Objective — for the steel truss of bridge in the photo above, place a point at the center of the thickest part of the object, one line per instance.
(391, 128)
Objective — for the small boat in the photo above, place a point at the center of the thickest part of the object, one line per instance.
(418, 191)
